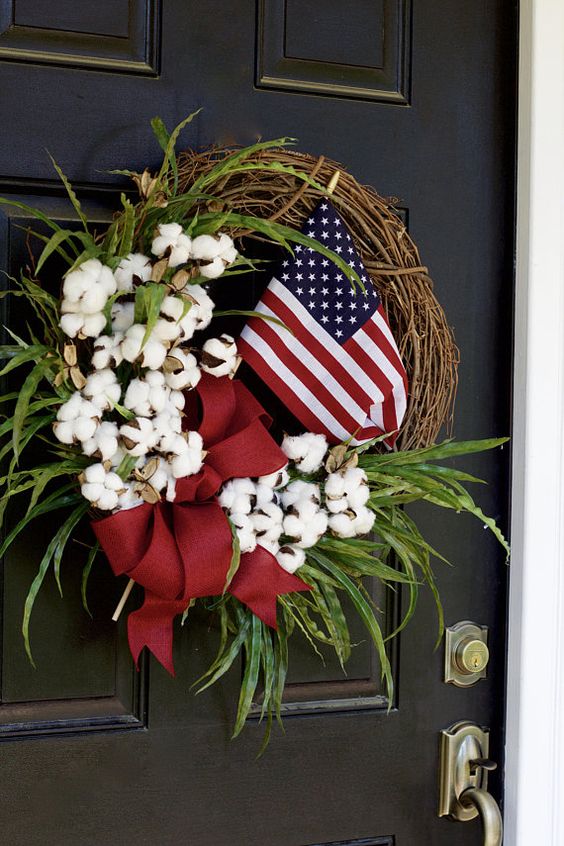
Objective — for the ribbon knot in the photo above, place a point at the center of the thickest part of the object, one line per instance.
(183, 550)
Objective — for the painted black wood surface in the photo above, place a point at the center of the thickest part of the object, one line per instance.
(416, 98)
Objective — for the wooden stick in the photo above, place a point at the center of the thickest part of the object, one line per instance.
(123, 600)
(333, 182)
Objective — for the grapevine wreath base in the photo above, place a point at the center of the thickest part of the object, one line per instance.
(157, 445)
(420, 326)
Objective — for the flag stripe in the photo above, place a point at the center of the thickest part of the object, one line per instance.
(309, 371)
(299, 319)
(309, 410)
(375, 328)
(365, 359)
(394, 378)
(307, 348)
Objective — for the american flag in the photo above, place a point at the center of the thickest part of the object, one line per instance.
(339, 370)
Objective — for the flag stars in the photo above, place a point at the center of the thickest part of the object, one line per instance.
(298, 249)
(339, 318)
(312, 290)
(325, 291)
(352, 319)
(324, 221)
(338, 236)
(338, 306)
(324, 319)
(325, 263)
(338, 334)
(324, 235)
(311, 304)
(285, 277)
(324, 207)
(325, 277)
(285, 263)
(338, 291)
(311, 262)
(366, 306)
(299, 262)
(299, 291)
(324, 304)
(311, 277)
(299, 276)
(338, 249)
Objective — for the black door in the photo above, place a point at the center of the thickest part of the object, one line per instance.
(416, 98)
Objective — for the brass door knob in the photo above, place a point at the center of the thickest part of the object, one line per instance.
(471, 655)
(466, 653)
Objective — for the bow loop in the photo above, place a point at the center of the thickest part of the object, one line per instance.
(182, 550)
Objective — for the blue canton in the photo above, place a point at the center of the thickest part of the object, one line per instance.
(320, 286)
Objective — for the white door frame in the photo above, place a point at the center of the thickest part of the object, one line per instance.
(534, 799)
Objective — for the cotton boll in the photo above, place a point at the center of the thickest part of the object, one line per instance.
(138, 436)
(209, 248)
(174, 242)
(335, 486)
(107, 352)
(77, 418)
(238, 496)
(152, 353)
(342, 524)
(167, 422)
(100, 487)
(205, 248)
(93, 300)
(102, 389)
(89, 274)
(213, 269)
(94, 325)
(123, 316)
(219, 356)
(276, 480)
(307, 450)
(135, 268)
(335, 506)
(186, 373)
(300, 490)
(202, 309)
(136, 398)
(358, 497)
(71, 324)
(264, 494)
(71, 408)
(245, 532)
(364, 521)
(290, 557)
(64, 431)
(129, 498)
(104, 442)
(107, 500)
(267, 522)
(187, 464)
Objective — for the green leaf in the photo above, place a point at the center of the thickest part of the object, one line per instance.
(28, 389)
(56, 240)
(235, 556)
(72, 196)
(250, 675)
(31, 211)
(59, 499)
(64, 534)
(32, 353)
(365, 612)
(237, 312)
(58, 541)
(92, 553)
(169, 161)
(224, 660)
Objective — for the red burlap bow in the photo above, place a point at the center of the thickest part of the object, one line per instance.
(182, 550)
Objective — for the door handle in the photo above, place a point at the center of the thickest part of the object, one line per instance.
(489, 812)
(464, 766)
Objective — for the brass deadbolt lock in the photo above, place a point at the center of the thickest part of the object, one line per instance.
(466, 653)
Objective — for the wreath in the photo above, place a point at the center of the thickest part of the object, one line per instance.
(171, 458)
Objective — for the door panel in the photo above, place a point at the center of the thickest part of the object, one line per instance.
(416, 99)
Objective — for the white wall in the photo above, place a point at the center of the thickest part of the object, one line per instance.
(534, 803)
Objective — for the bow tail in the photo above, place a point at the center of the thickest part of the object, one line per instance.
(260, 580)
(152, 626)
